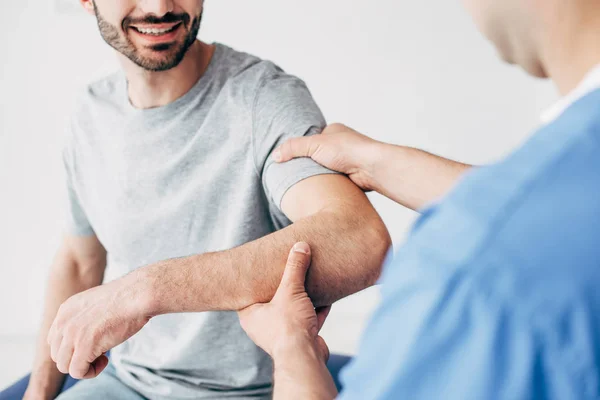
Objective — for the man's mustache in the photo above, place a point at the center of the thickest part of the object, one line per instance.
(153, 19)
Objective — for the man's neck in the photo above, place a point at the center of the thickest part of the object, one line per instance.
(149, 89)
(572, 50)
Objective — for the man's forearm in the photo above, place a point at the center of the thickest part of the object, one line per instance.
(349, 245)
(64, 281)
(412, 177)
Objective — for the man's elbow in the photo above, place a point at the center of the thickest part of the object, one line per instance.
(367, 243)
(377, 242)
(360, 259)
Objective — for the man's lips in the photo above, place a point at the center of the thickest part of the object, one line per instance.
(156, 30)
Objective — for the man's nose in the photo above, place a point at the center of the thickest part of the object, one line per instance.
(156, 7)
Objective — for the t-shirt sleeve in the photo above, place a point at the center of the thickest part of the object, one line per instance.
(76, 220)
(283, 108)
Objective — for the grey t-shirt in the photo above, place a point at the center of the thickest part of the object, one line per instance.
(191, 177)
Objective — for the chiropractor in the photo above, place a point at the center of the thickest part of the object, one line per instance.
(495, 293)
(287, 327)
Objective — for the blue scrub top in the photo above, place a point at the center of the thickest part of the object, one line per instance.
(496, 294)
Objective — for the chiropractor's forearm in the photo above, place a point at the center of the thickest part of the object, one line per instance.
(348, 245)
(300, 373)
(412, 177)
(67, 278)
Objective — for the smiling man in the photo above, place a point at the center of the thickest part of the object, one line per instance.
(170, 176)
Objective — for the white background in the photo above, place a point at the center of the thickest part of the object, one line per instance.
(413, 73)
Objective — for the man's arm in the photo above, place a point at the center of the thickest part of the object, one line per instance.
(411, 177)
(349, 242)
(79, 265)
(348, 238)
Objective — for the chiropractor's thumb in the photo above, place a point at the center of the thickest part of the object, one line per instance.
(294, 275)
(295, 147)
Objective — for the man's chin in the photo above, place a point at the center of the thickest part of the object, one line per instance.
(157, 66)
(159, 56)
(158, 59)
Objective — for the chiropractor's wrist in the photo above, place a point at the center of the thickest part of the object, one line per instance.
(371, 164)
(300, 371)
(298, 349)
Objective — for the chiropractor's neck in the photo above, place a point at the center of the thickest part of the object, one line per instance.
(570, 45)
(149, 89)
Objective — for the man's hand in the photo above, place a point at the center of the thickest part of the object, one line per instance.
(338, 148)
(91, 323)
(290, 317)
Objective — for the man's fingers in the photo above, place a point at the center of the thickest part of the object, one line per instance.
(55, 330)
(322, 313)
(296, 147)
(294, 274)
(79, 366)
(96, 367)
(82, 369)
(51, 333)
(56, 341)
(63, 357)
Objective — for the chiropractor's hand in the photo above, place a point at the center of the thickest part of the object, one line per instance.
(290, 318)
(91, 323)
(338, 148)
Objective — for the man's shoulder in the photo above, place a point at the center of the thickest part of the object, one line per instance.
(244, 69)
(103, 89)
(102, 92)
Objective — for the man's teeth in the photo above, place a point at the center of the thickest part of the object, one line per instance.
(155, 31)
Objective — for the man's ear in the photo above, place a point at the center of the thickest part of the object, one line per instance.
(88, 6)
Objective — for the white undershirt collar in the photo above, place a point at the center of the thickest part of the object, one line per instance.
(590, 83)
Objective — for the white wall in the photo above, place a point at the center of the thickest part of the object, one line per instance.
(413, 73)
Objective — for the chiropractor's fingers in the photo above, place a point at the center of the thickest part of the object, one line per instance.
(322, 313)
(304, 146)
(323, 348)
(294, 274)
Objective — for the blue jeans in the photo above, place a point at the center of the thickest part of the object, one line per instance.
(107, 386)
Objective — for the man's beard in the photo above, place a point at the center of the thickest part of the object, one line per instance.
(172, 53)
